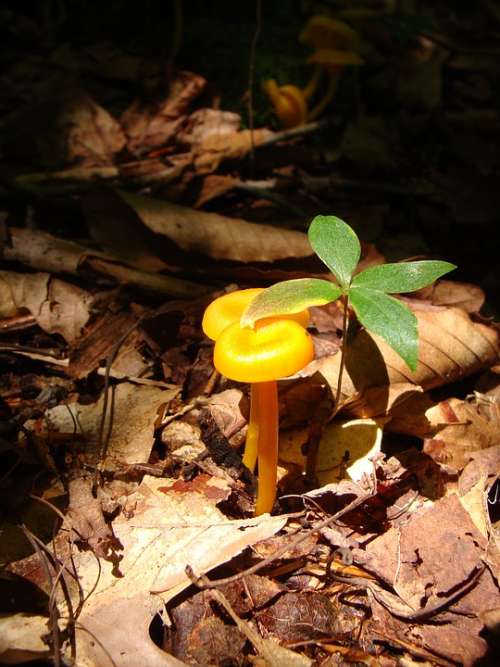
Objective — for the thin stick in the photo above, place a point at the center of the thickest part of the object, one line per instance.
(204, 582)
(345, 324)
(251, 77)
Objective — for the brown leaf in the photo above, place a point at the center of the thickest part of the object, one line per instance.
(415, 557)
(157, 124)
(467, 296)
(200, 636)
(87, 520)
(304, 616)
(160, 535)
(210, 152)
(452, 346)
(57, 306)
(217, 236)
(43, 251)
(463, 430)
(134, 413)
(100, 339)
(213, 186)
(225, 410)
(203, 124)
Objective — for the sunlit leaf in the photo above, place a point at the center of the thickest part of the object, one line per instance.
(336, 244)
(388, 318)
(288, 297)
(402, 277)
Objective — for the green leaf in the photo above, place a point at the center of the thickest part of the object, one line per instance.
(390, 319)
(337, 245)
(288, 297)
(403, 277)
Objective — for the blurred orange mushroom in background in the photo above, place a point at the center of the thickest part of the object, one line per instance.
(288, 102)
(335, 45)
(276, 348)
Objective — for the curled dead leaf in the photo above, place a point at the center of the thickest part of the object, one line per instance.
(215, 235)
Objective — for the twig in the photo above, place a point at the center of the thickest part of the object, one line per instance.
(294, 132)
(421, 614)
(53, 611)
(203, 581)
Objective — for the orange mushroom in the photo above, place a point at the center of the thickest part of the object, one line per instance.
(335, 45)
(276, 348)
(332, 62)
(289, 103)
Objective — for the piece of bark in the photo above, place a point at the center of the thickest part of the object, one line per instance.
(98, 342)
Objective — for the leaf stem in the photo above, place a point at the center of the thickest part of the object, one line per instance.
(345, 324)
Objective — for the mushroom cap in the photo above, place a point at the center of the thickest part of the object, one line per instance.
(323, 32)
(229, 308)
(288, 102)
(276, 348)
(333, 58)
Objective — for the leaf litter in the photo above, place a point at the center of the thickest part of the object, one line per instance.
(126, 510)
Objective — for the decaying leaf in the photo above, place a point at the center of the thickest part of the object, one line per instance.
(345, 449)
(45, 252)
(205, 123)
(161, 532)
(216, 236)
(21, 638)
(155, 125)
(272, 653)
(467, 296)
(451, 344)
(414, 558)
(134, 411)
(57, 306)
(462, 431)
(210, 152)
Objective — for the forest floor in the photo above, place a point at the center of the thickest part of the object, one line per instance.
(140, 180)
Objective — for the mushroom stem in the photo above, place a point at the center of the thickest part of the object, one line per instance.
(251, 443)
(310, 88)
(332, 89)
(266, 394)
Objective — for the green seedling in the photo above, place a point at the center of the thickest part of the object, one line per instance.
(368, 292)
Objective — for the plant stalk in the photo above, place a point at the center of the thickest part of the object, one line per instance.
(345, 324)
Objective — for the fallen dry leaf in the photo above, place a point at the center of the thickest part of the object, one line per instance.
(57, 306)
(161, 532)
(205, 123)
(467, 296)
(215, 235)
(134, 411)
(212, 150)
(21, 638)
(452, 346)
(415, 558)
(462, 430)
(45, 252)
(272, 653)
(215, 185)
(345, 449)
(152, 126)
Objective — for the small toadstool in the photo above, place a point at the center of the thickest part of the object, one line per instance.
(276, 348)
(332, 62)
(335, 45)
(288, 102)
